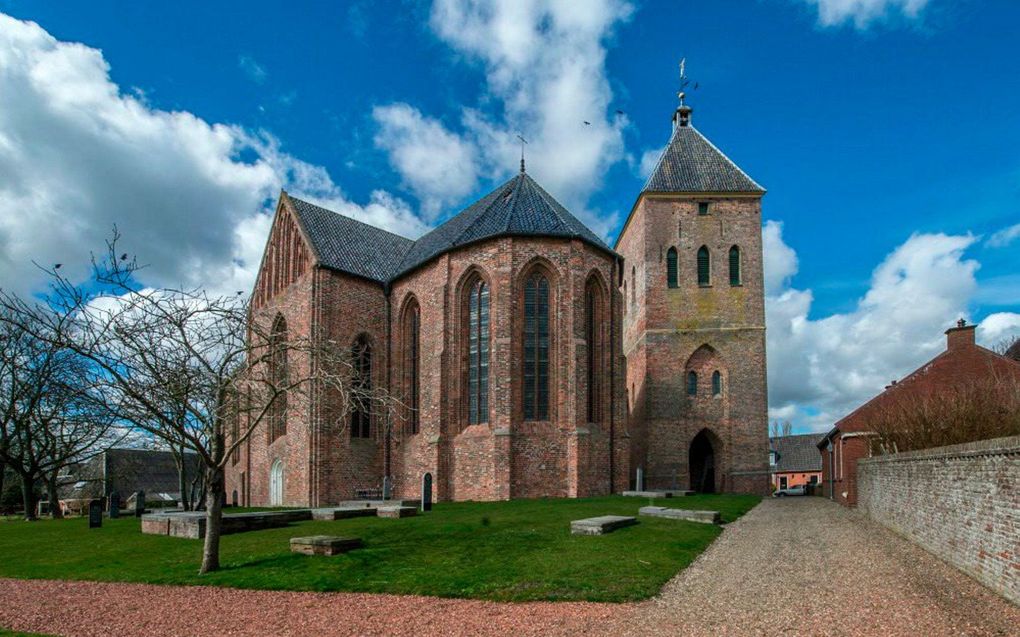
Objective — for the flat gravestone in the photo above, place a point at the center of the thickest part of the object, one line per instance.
(139, 503)
(396, 512)
(426, 492)
(601, 525)
(324, 544)
(648, 494)
(342, 513)
(705, 517)
(95, 514)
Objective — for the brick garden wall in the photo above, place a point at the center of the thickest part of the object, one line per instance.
(961, 502)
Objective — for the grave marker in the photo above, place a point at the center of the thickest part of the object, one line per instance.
(139, 503)
(114, 505)
(426, 492)
(95, 514)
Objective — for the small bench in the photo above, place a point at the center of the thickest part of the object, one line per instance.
(601, 525)
(706, 517)
(323, 544)
(342, 513)
(396, 512)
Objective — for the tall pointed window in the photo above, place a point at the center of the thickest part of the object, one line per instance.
(361, 416)
(671, 268)
(536, 348)
(593, 339)
(716, 383)
(735, 265)
(692, 383)
(278, 378)
(412, 364)
(478, 352)
(704, 266)
(633, 284)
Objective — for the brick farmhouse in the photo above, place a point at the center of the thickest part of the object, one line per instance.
(794, 461)
(533, 359)
(851, 438)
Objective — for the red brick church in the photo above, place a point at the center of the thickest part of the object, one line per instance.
(534, 360)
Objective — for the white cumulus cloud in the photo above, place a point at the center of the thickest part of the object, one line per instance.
(1004, 237)
(79, 155)
(864, 13)
(544, 63)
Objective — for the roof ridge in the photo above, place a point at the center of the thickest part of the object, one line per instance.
(726, 157)
(350, 218)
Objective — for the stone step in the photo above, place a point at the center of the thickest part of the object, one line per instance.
(706, 517)
(601, 525)
(324, 544)
(396, 512)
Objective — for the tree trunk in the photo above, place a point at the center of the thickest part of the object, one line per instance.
(28, 497)
(214, 486)
(182, 483)
(51, 488)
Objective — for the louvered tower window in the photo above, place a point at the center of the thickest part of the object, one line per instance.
(704, 266)
(536, 348)
(734, 265)
(478, 353)
(671, 268)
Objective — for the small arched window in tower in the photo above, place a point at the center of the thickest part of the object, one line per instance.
(692, 383)
(279, 378)
(704, 266)
(478, 352)
(671, 268)
(412, 327)
(536, 348)
(734, 265)
(703, 208)
(361, 417)
(633, 284)
(716, 383)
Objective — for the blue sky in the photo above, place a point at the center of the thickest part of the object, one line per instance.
(884, 130)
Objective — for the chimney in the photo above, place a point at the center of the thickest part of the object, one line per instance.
(960, 336)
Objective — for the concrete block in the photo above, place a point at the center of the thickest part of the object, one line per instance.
(343, 513)
(706, 517)
(396, 512)
(601, 525)
(324, 544)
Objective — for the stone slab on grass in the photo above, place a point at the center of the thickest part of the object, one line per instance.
(343, 513)
(324, 544)
(397, 512)
(191, 524)
(666, 493)
(706, 517)
(601, 525)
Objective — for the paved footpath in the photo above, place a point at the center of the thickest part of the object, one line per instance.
(801, 566)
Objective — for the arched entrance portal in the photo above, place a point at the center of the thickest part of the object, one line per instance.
(701, 462)
(276, 484)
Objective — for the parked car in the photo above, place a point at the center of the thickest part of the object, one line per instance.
(782, 493)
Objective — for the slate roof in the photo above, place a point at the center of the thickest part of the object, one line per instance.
(796, 453)
(691, 163)
(519, 207)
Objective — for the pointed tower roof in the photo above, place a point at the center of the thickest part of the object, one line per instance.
(691, 163)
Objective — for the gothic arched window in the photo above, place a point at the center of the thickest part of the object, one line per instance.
(735, 265)
(412, 363)
(478, 352)
(671, 268)
(278, 378)
(716, 383)
(593, 336)
(692, 383)
(536, 347)
(704, 266)
(361, 416)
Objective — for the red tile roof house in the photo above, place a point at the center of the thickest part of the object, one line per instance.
(850, 439)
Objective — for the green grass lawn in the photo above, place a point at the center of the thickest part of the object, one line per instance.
(517, 550)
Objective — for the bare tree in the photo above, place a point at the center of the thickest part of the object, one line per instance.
(1010, 348)
(778, 429)
(185, 365)
(967, 412)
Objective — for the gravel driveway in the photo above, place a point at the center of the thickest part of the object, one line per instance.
(807, 566)
(800, 566)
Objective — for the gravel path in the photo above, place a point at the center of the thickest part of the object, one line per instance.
(806, 566)
(801, 566)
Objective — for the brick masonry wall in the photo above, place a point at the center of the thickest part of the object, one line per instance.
(671, 331)
(962, 503)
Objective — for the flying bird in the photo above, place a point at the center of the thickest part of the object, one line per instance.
(123, 257)
(57, 266)
(587, 123)
(619, 112)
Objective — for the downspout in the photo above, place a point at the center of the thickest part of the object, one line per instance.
(389, 366)
(612, 374)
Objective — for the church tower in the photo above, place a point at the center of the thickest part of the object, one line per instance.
(694, 321)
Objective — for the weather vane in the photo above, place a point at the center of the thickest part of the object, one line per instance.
(684, 81)
(523, 143)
